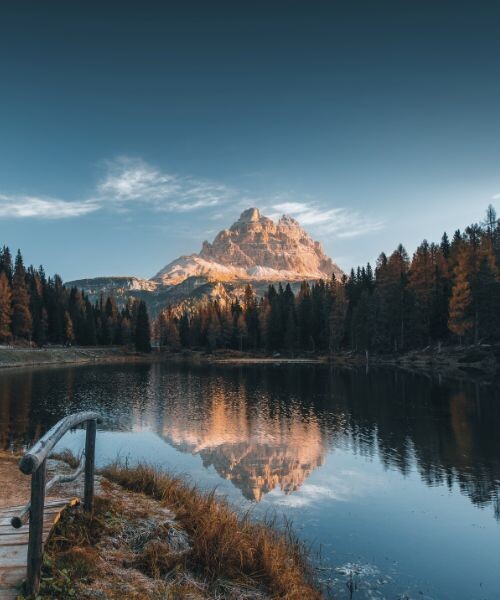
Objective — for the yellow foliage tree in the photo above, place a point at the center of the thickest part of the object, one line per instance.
(460, 320)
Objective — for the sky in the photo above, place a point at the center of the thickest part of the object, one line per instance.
(131, 132)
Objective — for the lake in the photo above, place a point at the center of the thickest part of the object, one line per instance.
(392, 478)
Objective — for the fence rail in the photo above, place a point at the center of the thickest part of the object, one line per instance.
(34, 463)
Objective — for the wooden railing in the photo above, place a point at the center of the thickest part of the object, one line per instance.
(34, 463)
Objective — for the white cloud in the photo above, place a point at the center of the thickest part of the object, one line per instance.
(19, 206)
(133, 180)
(340, 221)
(310, 494)
(496, 197)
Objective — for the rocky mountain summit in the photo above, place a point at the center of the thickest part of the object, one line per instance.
(255, 250)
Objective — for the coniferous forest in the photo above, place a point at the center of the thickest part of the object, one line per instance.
(446, 293)
(38, 310)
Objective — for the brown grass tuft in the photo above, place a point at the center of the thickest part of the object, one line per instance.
(225, 545)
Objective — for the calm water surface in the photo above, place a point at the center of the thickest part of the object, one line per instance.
(393, 478)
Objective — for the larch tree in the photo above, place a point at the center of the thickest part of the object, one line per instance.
(69, 334)
(460, 320)
(5, 308)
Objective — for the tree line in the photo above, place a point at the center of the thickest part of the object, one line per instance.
(40, 310)
(448, 292)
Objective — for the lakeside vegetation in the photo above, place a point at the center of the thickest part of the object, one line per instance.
(38, 310)
(153, 536)
(449, 292)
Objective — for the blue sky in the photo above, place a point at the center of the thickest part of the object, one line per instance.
(131, 132)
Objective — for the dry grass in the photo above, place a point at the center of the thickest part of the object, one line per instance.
(152, 536)
(67, 457)
(225, 545)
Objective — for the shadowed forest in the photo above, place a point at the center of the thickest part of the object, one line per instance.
(38, 310)
(448, 292)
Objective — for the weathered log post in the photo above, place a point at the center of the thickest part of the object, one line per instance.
(88, 496)
(34, 463)
(35, 541)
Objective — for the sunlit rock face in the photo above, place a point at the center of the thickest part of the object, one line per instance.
(255, 248)
(255, 450)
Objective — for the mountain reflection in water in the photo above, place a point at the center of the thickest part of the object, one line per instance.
(264, 427)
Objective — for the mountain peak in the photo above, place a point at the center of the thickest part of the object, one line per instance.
(255, 248)
(251, 214)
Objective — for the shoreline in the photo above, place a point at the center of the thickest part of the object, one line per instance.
(461, 361)
(18, 357)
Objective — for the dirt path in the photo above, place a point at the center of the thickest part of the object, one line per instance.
(14, 486)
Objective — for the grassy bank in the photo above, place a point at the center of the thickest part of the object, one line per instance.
(14, 356)
(154, 536)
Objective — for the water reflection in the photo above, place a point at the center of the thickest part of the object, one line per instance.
(264, 428)
(254, 445)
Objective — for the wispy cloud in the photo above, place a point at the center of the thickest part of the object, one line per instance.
(129, 182)
(339, 221)
(496, 197)
(133, 180)
(19, 206)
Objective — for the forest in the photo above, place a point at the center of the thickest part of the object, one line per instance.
(447, 293)
(36, 310)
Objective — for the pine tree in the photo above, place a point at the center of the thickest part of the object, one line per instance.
(290, 338)
(142, 330)
(487, 293)
(275, 329)
(37, 309)
(55, 300)
(304, 317)
(422, 284)
(90, 329)
(5, 308)
(251, 318)
(445, 245)
(184, 330)
(337, 316)
(21, 316)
